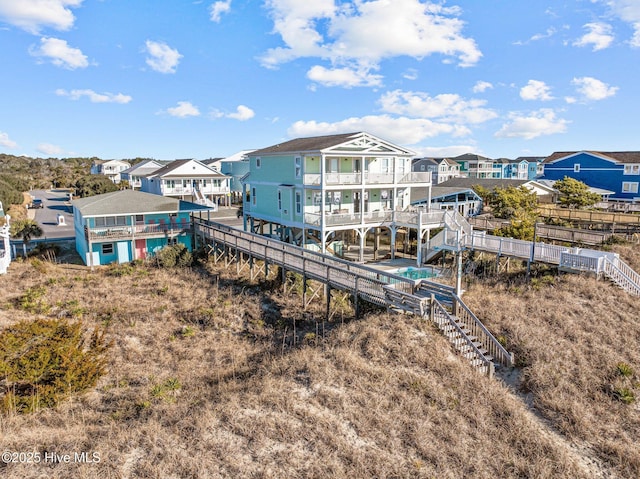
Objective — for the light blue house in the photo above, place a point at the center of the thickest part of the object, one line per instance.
(236, 167)
(615, 171)
(125, 225)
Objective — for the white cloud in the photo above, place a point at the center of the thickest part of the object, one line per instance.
(60, 53)
(49, 149)
(243, 113)
(410, 74)
(482, 86)
(535, 90)
(218, 8)
(447, 107)
(345, 77)
(163, 58)
(593, 89)
(183, 110)
(365, 33)
(95, 97)
(6, 141)
(537, 123)
(599, 35)
(408, 131)
(629, 12)
(33, 15)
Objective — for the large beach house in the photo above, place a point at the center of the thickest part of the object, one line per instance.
(313, 191)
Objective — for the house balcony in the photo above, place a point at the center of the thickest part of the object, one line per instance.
(404, 218)
(189, 190)
(344, 218)
(369, 178)
(129, 232)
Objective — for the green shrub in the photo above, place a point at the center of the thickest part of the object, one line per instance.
(172, 256)
(624, 395)
(45, 361)
(624, 370)
(33, 300)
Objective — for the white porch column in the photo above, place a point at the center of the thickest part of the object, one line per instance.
(394, 230)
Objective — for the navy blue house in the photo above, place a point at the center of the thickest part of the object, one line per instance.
(615, 171)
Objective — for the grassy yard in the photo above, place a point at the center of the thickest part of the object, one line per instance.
(206, 379)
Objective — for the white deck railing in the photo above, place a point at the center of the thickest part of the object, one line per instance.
(369, 178)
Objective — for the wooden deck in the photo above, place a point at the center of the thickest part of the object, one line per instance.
(428, 299)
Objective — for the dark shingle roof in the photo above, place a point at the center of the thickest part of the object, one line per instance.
(132, 202)
(166, 170)
(420, 193)
(489, 183)
(315, 143)
(471, 157)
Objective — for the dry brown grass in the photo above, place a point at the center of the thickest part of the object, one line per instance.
(205, 381)
(569, 335)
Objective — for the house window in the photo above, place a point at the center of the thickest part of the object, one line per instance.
(107, 248)
(632, 169)
(332, 165)
(386, 199)
(629, 187)
(333, 197)
(110, 221)
(421, 167)
(298, 163)
(576, 167)
(384, 165)
(253, 196)
(298, 202)
(258, 162)
(279, 200)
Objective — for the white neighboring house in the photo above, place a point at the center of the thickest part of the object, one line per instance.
(110, 168)
(442, 169)
(189, 180)
(135, 173)
(5, 251)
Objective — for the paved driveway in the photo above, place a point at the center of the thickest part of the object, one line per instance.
(55, 203)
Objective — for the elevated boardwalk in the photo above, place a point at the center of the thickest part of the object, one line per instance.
(572, 260)
(433, 301)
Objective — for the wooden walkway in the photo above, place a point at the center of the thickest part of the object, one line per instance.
(431, 300)
(589, 216)
(572, 260)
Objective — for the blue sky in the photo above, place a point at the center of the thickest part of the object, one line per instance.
(171, 79)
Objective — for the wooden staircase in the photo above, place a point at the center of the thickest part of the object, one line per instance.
(469, 337)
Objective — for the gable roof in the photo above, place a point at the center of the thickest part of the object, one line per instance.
(471, 157)
(167, 170)
(419, 194)
(435, 161)
(616, 156)
(358, 142)
(132, 202)
(143, 168)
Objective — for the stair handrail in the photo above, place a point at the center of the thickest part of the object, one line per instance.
(627, 273)
(441, 312)
(494, 348)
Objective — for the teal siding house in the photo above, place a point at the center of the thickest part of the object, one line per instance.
(126, 225)
(314, 191)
